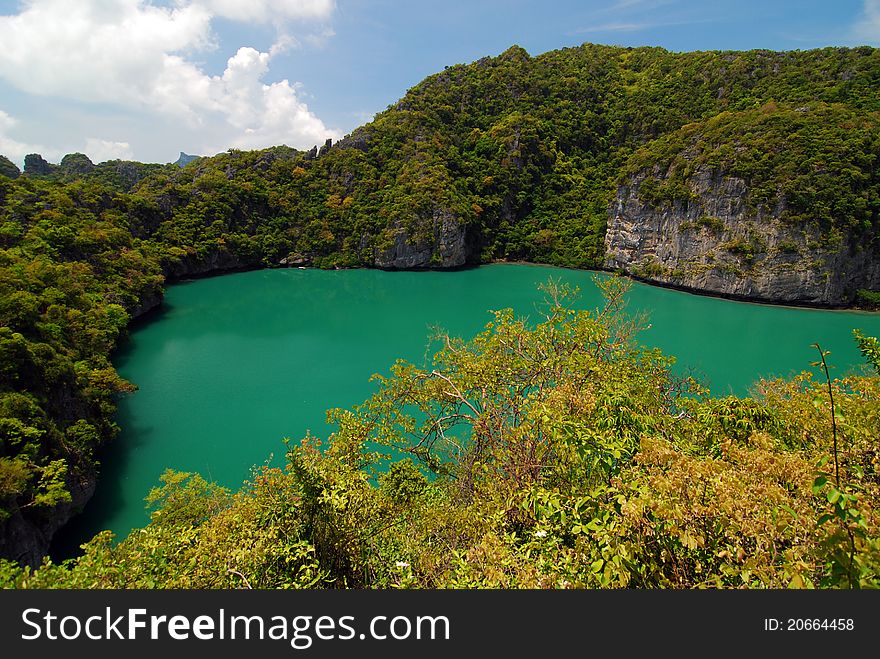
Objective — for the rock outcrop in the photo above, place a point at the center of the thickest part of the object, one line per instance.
(215, 260)
(185, 159)
(27, 539)
(36, 165)
(146, 304)
(440, 243)
(296, 260)
(76, 164)
(8, 168)
(715, 243)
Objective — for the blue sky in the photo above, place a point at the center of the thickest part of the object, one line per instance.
(145, 80)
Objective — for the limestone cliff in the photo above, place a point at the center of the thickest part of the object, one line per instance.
(27, 539)
(441, 242)
(215, 260)
(713, 242)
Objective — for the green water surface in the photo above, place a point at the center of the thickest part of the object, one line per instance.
(231, 365)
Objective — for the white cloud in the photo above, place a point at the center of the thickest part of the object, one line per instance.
(282, 119)
(629, 8)
(12, 148)
(260, 11)
(641, 15)
(263, 114)
(318, 39)
(867, 30)
(138, 55)
(6, 122)
(93, 50)
(99, 150)
(636, 26)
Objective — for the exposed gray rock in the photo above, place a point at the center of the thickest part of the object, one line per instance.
(27, 539)
(444, 244)
(216, 260)
(185, 159)
(8, 168)
(35, 164)
(296, 261)
(359, 140)
(76, 164)
(146, 304)
(716, 244)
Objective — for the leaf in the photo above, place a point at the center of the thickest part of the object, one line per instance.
(819, 483)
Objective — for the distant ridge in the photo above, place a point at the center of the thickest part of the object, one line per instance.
(185, 159)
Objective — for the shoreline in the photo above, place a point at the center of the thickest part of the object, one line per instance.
(146, 310)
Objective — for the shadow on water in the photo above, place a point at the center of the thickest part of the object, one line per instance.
(114, 459)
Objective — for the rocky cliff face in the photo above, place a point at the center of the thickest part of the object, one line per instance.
(76, 164)
(440, 243)
(216, 260)
(34, 163)
(8, 168)
(714, 243)
(27, 539)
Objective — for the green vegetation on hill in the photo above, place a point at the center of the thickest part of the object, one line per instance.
(70, 273)
(119, 175)
(522, 153)
(8, 168)
(817, 161)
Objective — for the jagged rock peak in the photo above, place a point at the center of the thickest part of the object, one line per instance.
(185, 159)
(76, 163)
(36, 165)
(8, 168)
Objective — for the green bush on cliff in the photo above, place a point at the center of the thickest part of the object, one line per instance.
(816, 162)
(868, 299)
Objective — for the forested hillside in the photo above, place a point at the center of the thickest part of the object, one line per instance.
(513, 157)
